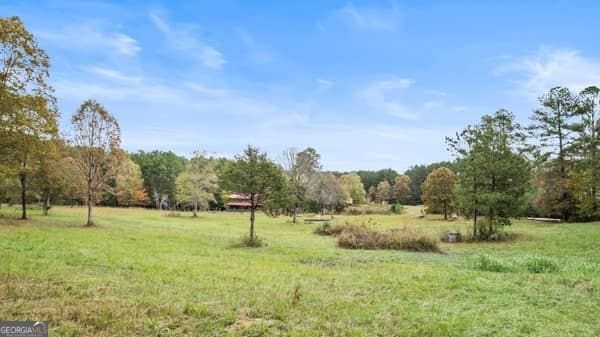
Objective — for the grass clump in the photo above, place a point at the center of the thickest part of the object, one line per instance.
(540, 264)
(487, 263)
(532, 264)
(247, 242)
(328, 229)
(365, 238)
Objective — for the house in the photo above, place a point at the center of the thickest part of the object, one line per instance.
(238, 202)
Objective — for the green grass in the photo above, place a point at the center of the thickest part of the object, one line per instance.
(141, 273)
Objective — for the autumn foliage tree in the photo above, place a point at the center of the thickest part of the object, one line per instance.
(438, 190)
(401, 189)
(128, 183)
(383, 192)
(27, 105)
(96, 138)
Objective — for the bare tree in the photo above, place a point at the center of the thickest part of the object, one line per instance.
(96, 137)
(302, 170)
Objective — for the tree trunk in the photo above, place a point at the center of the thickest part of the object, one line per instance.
(474, 224)
(196, 209)
(295, 214)
(445, 210)
(252, 224)
(46, 204)
(90, 221)
(23, 197)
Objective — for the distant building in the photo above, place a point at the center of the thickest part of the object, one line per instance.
(238, 202)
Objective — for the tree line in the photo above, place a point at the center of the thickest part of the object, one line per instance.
(500, 169)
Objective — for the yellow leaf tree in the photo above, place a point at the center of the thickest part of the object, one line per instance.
(438, 190)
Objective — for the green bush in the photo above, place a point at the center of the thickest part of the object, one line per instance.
(538, 264)
(487, 263)
(397, 208)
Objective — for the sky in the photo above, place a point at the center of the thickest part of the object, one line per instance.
(369, 85)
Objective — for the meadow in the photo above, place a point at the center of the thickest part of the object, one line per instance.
(144, 273)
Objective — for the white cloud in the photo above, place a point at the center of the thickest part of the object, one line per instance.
(259, 53)
(205, 90)
(551, 67)
(371, 18)
(112, 74)
(91, 36)
(183, 39)
(211, 57)
(382, 96)
(125, 45)
(323, 84)
(159, 22)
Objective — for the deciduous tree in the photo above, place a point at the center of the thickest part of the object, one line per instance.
(96, 138)
(302, 170)
(438, 190)
(128, 182)
(197, 184)
(27, 104)
(353, 188)
(401, 189)
(384, 192)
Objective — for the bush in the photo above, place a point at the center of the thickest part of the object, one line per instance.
(397, 208)
(370, 209)
(245, 241)
(538, 264)
(486, 263)
(364, 238)
(323, 229)
(334, 230)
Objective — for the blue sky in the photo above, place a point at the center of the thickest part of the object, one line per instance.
(368, 84)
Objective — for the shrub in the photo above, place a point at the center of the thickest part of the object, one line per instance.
(334, 230)
(367, 210)
(246, 241)
(487, 263)
(397, 208)
(365, 238)
(323, 229)
(538, 264)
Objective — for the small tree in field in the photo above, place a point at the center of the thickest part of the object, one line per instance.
(198, 183)
(384, 192)
(401, 189)
(254, 174)
(438, 189)
(96, 137)
(493, 175)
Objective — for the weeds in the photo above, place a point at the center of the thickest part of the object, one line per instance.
(361, 237)
(531, 264)
(247, 242)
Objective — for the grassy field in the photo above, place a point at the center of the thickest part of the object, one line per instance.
(142, 273)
